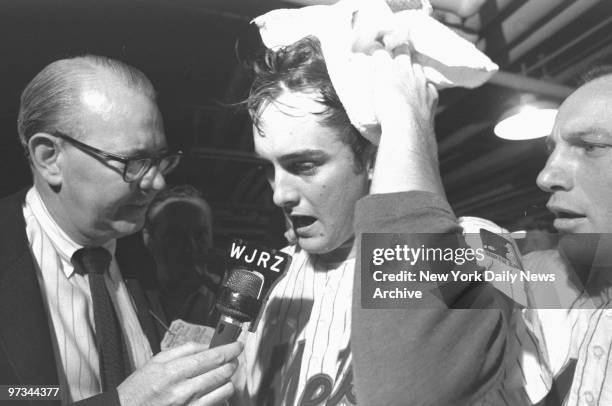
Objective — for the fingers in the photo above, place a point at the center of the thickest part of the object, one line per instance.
(400, 69)
(368, 34)
(197, 364)
(215, 379)
(290, 236)
(217, 397)
(403, 53)
(184, 350)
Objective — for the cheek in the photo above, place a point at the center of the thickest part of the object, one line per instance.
(596, 184)
(341, 197)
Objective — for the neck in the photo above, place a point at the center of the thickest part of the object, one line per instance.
(345, 251)
(55, 208)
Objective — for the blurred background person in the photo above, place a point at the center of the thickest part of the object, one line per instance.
(178, 232)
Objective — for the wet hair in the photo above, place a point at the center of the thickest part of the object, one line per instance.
(51, 100)
(300, 68)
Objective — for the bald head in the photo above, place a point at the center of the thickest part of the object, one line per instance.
(584, 109)
(55, 97)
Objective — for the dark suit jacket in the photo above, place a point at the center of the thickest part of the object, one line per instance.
(26, 349)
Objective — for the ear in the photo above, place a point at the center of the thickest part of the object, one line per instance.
(45, 158)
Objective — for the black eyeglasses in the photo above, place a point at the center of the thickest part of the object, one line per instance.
(133, 168)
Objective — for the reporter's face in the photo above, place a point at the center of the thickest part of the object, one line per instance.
(578, 172)
(98, 203)
(313, 174)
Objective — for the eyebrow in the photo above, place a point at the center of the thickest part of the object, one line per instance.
(303, 154)
(590, 131)
(143, 152)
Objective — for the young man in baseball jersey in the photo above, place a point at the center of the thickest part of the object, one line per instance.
(318, 166)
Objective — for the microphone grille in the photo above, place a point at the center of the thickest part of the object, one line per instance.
(246, 282)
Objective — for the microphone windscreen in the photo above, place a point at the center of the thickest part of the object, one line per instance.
(245, 282)
(239, 294)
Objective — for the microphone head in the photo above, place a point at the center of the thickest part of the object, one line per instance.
(245, 282)
(239, 294)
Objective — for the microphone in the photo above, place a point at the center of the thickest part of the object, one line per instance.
(254, 271)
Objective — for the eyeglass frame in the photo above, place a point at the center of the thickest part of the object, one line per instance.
(107, 156)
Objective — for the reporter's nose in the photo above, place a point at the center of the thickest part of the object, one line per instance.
(152, 180)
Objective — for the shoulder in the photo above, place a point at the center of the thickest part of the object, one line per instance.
(12, 204)
(548, 258)
(560, 289)
(547, 261)
(13, 238)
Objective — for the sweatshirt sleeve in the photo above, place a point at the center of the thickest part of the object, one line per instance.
(432, 355)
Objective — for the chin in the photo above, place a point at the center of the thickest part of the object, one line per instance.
(314, 245)
(318, 246)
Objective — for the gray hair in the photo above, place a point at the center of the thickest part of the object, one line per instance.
(50, 100)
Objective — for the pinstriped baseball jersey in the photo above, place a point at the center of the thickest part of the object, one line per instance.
(300, 353)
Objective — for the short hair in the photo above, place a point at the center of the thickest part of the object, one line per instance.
(179, 192)
(594, 73)
(50, 101)
(300, 67)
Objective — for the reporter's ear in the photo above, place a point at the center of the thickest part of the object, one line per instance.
(45, 157)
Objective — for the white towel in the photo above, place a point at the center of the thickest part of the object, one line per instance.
(347, 30)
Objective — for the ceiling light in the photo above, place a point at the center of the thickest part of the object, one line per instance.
(527, 121)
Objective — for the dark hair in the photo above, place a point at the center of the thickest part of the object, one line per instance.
(593, 73)
(300, 67)
(50, 101)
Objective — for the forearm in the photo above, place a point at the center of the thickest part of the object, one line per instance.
(406, 161)
(429, 355)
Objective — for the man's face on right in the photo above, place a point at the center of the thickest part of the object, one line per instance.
(578, 172)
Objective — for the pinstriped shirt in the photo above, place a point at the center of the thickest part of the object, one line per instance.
(300, 352)
(69, 304)
(553, 339)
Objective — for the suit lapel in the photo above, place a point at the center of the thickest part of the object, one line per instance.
(137, 268)
(25, 335)
(143, 310)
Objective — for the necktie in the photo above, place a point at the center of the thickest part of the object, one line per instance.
(95, 261)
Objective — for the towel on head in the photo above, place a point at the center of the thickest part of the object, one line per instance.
(351, 30)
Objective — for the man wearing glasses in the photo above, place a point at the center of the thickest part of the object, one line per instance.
(72, 313)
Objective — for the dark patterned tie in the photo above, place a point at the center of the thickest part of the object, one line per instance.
(95, 261)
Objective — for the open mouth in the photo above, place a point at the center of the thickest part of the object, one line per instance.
(567, 215)
(302, 221)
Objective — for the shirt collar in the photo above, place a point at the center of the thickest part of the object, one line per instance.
(63, 244)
